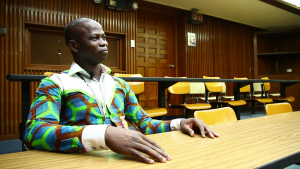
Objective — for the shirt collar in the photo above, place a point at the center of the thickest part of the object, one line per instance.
(76, 68)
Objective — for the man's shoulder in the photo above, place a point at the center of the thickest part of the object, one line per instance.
(55, 78)
(120, 81)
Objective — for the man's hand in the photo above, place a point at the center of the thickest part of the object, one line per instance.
(133, 143)
(191, 125)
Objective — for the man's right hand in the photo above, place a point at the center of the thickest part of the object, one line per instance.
(133, 143)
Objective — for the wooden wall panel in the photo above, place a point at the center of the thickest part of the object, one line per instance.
(14, 14)
(224, 49)
(291, 44)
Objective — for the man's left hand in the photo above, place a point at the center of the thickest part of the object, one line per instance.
(191, 125)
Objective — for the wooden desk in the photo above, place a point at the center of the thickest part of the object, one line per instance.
(163, 83)
(262, 142)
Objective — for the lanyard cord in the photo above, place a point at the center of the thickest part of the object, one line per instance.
(101, 108)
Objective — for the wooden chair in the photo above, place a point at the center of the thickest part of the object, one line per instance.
(215, 116)
(138, 89)
(277, 108)
(183, 88)
(267, 88)
(252, 99)
(217, 88)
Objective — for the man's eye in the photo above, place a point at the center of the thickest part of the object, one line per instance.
(104, 37)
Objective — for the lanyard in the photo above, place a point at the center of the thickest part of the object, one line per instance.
(101, 108)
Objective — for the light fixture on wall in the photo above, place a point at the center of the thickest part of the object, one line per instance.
(135, 5)
(118, 5)
(97, 1)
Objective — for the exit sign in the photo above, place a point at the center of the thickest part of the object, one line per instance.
(195, 18)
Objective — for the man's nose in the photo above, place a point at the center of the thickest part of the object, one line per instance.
(103, 42)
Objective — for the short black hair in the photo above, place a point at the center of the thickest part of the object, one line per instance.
(70, 28)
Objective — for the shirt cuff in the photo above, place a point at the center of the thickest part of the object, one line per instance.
(93, 137)
(175, 124)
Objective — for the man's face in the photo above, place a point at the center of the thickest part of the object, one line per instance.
(91, 43)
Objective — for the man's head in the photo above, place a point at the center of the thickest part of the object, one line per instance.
(86, 40)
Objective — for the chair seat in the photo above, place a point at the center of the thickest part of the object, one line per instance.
(257, 95)
(196, 106)
(261, 100)
(201, 98)
(232, 103)
(289, 98)
(155, 111)
(228, 97)
(274, 94)
(236, 102)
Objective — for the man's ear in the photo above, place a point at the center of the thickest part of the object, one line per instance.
(73, 46)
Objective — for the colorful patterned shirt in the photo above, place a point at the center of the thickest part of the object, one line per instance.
(65, 115)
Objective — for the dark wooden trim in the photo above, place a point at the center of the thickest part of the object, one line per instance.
(283, 5)
(278, 53)
(59, 30)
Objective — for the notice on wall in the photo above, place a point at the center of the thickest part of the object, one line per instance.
(191, 39)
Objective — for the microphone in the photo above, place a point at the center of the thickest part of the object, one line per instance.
(91, 74)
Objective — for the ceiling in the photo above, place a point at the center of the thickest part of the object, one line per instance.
(249, 12)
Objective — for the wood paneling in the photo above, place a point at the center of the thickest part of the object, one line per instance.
(155, 50)
(278, 51)
(224, 49)
(14, 14)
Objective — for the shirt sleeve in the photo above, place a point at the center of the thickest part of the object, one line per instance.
(93, 137)
(43, 131)
(175, 124)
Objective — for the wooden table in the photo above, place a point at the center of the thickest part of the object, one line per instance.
(163, 83)
(262, 142)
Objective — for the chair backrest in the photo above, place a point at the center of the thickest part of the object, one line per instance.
(215, 116)
(245, 88)
(215, 87)
(136, 87)
(179, 87)
(257, 87)
(267, 85)
(277, 108)
(224, 88)
(197, 88)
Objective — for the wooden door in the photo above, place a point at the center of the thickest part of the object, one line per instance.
(155, 51)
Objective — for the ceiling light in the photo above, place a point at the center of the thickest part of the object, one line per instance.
(293, 2)
(97, 1)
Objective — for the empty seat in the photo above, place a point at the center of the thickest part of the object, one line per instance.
(183, 88)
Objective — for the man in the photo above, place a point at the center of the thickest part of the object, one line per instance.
(77, 110)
